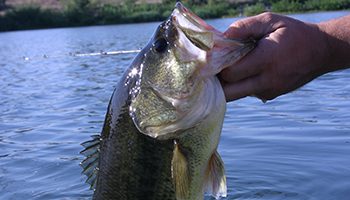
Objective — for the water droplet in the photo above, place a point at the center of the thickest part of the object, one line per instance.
(133, 72)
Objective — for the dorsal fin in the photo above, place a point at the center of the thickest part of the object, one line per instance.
(90, 163)
(215, 179)
(180, 173)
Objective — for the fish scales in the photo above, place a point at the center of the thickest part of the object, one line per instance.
(127, 167)
(163, 123)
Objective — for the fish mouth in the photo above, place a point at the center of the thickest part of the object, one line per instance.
(202, 52)
(220, 51)
(196, 29)
(188, 110)
(180, 30)
(193, 18)
(194, 38)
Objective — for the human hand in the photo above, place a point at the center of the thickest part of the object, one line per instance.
(289, 53)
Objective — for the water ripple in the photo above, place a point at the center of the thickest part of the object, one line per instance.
(295, 147)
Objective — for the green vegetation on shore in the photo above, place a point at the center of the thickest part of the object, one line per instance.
(90, 12)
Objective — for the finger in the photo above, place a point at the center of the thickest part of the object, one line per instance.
(252, 64)
(244, 68)
(254, 27)
(244, 88)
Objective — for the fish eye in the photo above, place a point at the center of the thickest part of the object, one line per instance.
(160, 45)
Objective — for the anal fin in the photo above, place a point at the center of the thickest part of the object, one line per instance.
(180, 173)
(215, 179)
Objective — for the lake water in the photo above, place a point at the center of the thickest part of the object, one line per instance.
(294, 147)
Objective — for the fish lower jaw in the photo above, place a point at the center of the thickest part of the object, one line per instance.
(165, 132)
(207, 101)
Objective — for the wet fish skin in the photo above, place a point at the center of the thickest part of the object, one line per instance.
(131, 164)
(164, 119)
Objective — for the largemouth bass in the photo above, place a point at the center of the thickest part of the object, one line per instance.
(163, 123)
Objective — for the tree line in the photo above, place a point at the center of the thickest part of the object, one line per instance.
(92, 12)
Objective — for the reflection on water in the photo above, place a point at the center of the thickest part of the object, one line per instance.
(295, 147)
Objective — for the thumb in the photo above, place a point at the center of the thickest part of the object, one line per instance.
(254, 27)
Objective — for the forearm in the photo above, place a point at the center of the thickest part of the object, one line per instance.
(337, 34)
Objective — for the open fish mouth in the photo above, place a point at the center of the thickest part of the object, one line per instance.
(194, 28)
(191, 17)
(220, 52)
(178, 87)
(164, 120)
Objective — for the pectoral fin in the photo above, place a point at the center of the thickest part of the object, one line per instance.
(215, 179)
(180, 173)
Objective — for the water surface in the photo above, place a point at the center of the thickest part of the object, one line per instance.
(295, 147)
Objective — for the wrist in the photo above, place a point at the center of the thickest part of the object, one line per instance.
(337, 37)
(316, 50)
(327, 53)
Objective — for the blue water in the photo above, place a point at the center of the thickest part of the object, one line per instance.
(294, 147)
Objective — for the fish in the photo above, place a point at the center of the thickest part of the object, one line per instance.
(163, 123)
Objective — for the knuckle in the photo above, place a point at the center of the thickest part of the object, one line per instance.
(267, 16)
(240, 24)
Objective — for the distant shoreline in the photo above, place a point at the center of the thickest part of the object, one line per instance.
(78, 14)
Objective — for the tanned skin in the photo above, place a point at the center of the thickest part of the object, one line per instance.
(289, 54)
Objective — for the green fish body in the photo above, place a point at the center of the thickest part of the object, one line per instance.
(163, 123)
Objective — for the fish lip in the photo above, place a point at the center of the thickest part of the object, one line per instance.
(193, 18)
(172, 25)
(153, 132)
(189, 119)
(157, 131)
(189, 115)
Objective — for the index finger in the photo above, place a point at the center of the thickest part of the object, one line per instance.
(254, 27)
